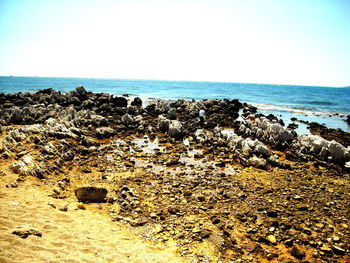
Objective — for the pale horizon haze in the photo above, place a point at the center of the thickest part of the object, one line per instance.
(268, 41)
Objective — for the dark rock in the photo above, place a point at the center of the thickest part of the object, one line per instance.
(127, 120)
(338, 250)
(136, 102)
(80, 90)
(91, 194)
(120, 102)
(24, 233)
(297, 252)
(104, 132)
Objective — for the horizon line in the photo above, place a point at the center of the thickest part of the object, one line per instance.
(172, 80)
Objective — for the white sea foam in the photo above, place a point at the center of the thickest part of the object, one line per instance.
(304, 111)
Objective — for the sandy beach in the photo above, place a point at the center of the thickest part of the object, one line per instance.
(176, 190)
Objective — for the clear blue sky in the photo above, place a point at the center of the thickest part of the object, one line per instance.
(304, 42)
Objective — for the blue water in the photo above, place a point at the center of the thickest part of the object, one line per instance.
(285, 100)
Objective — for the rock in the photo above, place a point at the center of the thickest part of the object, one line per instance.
(49, 148)
(81, 206)
(63, 208)
(176, 130)
(271, 239)
(172, 114)
(338, 250)
(136, 102)
(323, 149)
(91, 194)
(127, 119)
(163, 123)
(25, 232)
(136, 223)
(17, 115)
(51, 204)
(80, 90)
(272, 133)
(104, 132)
(19, 168)
(297, 252)
(120, 102)
(258, 162)
(200, 135)
(326, 249)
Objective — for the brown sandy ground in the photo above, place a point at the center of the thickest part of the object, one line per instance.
(204, 206)
(74, 235)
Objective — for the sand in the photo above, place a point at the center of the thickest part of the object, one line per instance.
(75, 235)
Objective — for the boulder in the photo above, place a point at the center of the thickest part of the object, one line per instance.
(81, 92)
(120, 102)
(136, 102)
(127, 119)
(16, 115)
(104, 132)
(176, 129)
(91, 194)
(163, 123)
(172, 114)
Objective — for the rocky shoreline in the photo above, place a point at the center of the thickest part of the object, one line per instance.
(227, 190)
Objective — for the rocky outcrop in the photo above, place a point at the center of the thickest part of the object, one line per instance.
(323, 149)
(272, 133)
(247, 146)
(27, 167)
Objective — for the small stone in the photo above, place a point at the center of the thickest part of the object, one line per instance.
(272, 239)
(336, 239)
(51, 204)
(24, 233)
(157, 229)
(298, 197)
(306, 230)
(326, 249)
(136, 223)
(81, 206)
(153, 215)
(63, 208)
(56, 191)
(272, 213)
(196, 230)
(297, 252)
(338, 250)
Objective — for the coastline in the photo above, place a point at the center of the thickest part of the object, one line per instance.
(253, 194)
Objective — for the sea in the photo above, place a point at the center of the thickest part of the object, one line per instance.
(326, 105)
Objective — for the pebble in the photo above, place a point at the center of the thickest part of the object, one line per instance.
(272, 239)
(51, 204)
(81, 206)
(297, 252)
(63, 208)
(338, 250)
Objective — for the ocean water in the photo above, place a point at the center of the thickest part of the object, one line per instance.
(327, 105)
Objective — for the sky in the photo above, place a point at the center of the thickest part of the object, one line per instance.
(294, 42)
